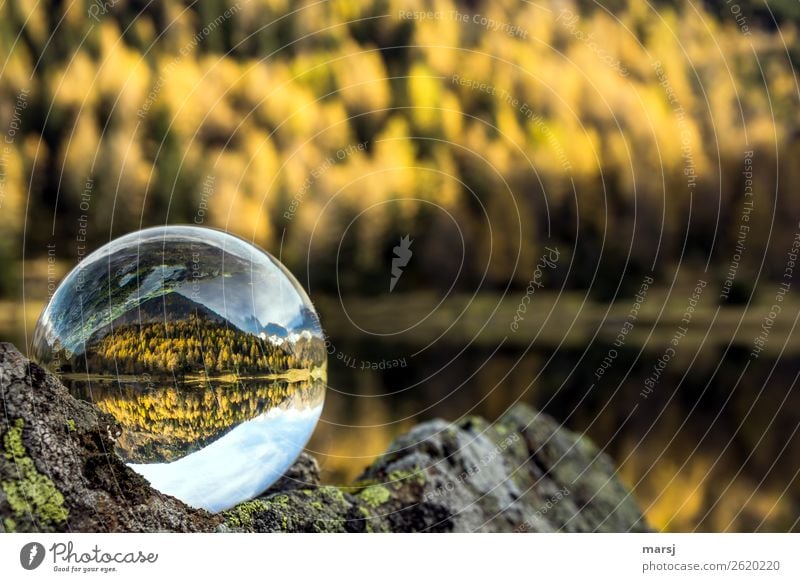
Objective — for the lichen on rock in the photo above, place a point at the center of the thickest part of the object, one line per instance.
(31, 494)
(375, 495)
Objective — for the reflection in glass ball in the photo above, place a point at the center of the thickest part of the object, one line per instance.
(204, 348)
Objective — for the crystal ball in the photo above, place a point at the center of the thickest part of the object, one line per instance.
(204, 348)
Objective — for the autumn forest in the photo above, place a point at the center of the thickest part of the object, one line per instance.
(195, 347)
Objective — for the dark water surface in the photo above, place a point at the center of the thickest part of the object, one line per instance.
(713, 446)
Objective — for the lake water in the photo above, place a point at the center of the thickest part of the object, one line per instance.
(711, 448)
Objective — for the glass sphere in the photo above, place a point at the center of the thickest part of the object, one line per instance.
(203, 347)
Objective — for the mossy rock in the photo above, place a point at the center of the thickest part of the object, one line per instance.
(32, 496)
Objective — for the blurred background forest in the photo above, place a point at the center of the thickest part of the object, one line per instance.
(614, 131)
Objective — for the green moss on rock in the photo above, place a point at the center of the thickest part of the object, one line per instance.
(31, 493)
(333, 495)
(319, 510)
(375, 495)
(400, 478)
(241, 516)
(12, 441)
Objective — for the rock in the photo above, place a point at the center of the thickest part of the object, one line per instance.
(303, 474)
(58, 472)
(523, 473)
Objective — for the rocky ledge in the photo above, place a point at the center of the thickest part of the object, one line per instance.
(523, 473)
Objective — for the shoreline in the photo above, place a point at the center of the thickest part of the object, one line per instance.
(293, 375)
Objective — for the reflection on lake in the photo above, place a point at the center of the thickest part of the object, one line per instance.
(211, 445)
(239, 465)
